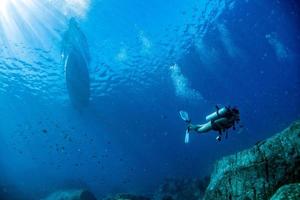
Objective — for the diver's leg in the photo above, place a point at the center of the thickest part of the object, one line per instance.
(192, 127)
(204, 128)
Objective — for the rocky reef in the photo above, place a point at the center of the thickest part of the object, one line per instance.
(171, 189)
(127, 197)
(71, 195)
(268, 171)
(291, 191)
(12, 192)
(257, 173)
(179, 189)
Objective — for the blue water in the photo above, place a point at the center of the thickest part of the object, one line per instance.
(148, 60)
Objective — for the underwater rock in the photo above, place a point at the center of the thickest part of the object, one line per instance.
(291, 191)
(180, 189)
(127, 197)
(11, 192)
(258, 172)
(71, 195)
(76, 58)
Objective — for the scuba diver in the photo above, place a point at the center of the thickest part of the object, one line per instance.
(221, 121)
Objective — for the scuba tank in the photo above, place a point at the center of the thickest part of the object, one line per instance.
(219, 113)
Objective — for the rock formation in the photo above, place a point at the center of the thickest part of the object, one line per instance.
(12, 192)
(268, 171)
(258, 172)
(71, 195)
(180, 189)
(127, 197)
(291, 191)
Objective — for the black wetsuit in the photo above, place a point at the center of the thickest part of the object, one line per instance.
(229, 119)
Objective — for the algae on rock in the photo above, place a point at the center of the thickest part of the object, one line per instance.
(181, 189)
(290, 192)
(258, 172)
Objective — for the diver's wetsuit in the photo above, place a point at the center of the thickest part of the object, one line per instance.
(226, 122)
(221, 124)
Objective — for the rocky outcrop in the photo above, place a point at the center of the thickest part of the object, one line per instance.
(12, 192)
(291, 192)
(127, 197)
(171, 189)
(71, 195)
(181, 189)
(258, 172)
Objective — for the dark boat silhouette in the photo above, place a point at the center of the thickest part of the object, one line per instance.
(76, 60)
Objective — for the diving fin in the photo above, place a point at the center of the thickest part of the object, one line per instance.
(184, 116)
(187, 136)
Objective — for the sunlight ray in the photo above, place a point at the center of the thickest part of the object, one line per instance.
(36, 22)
